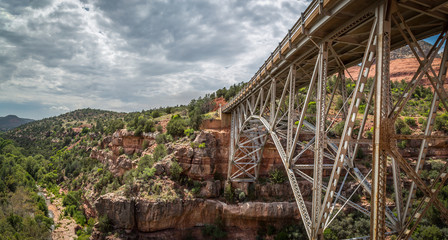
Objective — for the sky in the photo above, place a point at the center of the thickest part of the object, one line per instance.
(61, 55)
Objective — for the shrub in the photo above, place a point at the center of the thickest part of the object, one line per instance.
(145, 144)
(159, 128)
(148, 173)
(195, 118)
(362, 108)
(402, 144)
(115, 125)
(72, 198)
(155, 114)
(149, 126)
(104, 224)
(291, 232)
(159, 152)
(161, 139)
(196, 187)
(188, 132)
(138, 131)
(228, 193)
(277, 176)
(175, 170)
(242, 196)
(437, 165)
(428, 232)
(369, 134)
(176, 127)
(339, 128)
(401, 127)
(201, 145)
(79, 218)
(410, 121)
(421, 120)
(311, 107)
(441, 123)
(360, 154)
(146, 161)
(330, 235)
(213, 231)
(339, 103)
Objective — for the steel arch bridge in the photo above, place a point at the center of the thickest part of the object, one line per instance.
(329, 37)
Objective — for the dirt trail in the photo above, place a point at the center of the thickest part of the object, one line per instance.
(64, 227)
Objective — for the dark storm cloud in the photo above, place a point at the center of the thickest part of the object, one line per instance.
(188, 31)
(132, 55)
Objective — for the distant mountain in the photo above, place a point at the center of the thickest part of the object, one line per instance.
(405, 52)
(12, 121)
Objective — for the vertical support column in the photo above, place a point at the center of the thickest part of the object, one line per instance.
(382, 130)
(320, 136)
(291, 101)
(252, 106)
(232, 144)
(272, 109)
(343, 93)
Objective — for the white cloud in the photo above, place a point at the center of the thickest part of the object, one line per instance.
(60, 108)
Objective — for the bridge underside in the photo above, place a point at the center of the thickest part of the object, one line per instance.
(291, 103)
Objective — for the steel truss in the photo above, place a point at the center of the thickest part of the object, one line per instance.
(279, 111)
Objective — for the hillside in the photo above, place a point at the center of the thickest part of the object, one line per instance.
(12, 121)
(51, 134)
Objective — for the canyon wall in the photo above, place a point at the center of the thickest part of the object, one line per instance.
(139, 215)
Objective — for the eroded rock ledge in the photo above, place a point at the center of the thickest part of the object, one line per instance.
(148, 216)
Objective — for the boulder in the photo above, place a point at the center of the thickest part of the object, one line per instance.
(212, 189)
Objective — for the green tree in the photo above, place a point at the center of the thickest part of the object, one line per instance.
(175, 170)
(195, 118)
(176, 127)
(159, 152)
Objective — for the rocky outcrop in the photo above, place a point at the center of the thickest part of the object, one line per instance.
(211, 189)
(117, 165)
(198, 157)
(149, 216)
(400, 69)
(114, 150)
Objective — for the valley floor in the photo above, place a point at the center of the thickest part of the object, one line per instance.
(65, 228)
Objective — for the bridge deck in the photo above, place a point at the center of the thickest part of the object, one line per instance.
(345, 24)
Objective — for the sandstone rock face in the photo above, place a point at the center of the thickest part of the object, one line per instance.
(198, 158)
(119, 210)
(403, 68)
(211, 189)
(148, 216)
(113, 147)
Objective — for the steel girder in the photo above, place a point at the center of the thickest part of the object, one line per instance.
(278, 111)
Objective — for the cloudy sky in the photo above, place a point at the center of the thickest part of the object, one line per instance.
(61, 55)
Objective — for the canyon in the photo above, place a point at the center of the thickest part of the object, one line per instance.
(270, 204)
